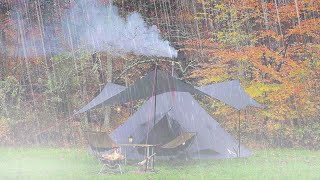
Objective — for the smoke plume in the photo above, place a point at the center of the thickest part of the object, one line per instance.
(91, 26)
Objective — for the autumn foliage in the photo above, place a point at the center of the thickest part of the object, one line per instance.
(271, 46)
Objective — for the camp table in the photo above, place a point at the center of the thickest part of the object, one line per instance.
(149, 150)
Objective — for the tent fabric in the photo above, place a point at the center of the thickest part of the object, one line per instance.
(144, 88)
(164, 131)
(108, 91)
(231, 93)
(185, 110)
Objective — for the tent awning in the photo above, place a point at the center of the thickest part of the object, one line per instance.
(108, 91)
(231, 93)
(142, 89)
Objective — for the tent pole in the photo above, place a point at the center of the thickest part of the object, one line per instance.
(155, 94)
(155, 102)
(239, 131)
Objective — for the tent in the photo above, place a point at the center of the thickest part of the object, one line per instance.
(170, 110)
(178, 113)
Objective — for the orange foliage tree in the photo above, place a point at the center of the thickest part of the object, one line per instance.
(273, 48)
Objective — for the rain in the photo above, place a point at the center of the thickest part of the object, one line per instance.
(159, 89)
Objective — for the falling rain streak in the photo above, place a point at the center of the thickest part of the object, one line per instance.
(162, 79)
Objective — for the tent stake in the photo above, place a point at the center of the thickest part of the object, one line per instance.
(239, 131)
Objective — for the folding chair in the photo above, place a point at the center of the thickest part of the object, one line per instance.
(106, 151)
(180, 144)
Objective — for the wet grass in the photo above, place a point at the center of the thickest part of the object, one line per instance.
(41, 163)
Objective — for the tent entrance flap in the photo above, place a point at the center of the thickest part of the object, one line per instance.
(164, 131)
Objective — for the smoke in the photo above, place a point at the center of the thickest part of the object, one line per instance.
(91, 26)
(102, 29)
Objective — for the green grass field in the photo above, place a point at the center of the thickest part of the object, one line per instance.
(78, 164)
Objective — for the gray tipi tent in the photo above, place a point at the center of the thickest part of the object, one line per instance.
(176, 112)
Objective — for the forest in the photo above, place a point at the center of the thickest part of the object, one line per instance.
(54, 60)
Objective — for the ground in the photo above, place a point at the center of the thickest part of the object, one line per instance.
(45, 163)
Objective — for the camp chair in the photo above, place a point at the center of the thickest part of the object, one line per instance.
(105, 150)
(180, 143)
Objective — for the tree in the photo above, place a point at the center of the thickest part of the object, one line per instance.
(270, 47)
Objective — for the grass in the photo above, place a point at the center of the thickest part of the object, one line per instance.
(42, 163)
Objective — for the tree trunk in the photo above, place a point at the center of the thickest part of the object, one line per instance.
(3, 73)
(109, 80)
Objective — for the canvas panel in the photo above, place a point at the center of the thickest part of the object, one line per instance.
(144, 88)
(141, 122)
(230, 93)
(108, 91)
(163, 132)
(210, 135)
